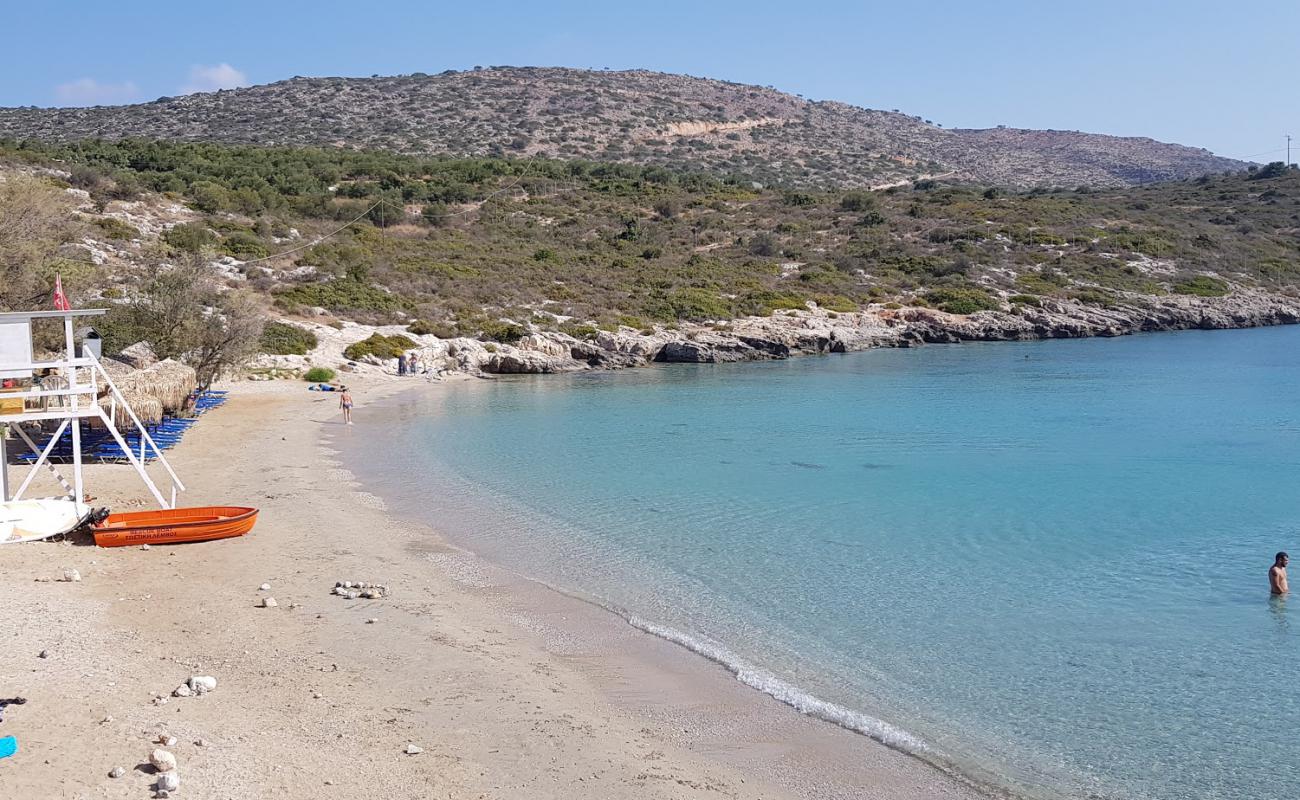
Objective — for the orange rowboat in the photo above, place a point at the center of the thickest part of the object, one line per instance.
(174, 525)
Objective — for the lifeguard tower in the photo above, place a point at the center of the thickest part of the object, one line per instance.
(72, 389)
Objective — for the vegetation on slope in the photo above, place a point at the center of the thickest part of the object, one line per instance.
(634, 117)
(476, 247)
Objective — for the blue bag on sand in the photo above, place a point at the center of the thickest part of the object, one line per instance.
(8, 746)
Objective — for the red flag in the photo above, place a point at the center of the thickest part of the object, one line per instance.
(60, 299)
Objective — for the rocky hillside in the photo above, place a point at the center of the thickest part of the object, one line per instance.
(636, 117)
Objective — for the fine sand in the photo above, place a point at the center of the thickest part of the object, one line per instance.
(511, 690)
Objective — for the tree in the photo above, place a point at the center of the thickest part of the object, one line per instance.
(182, 312)
(35, 219)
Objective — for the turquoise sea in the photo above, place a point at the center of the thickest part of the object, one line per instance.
(1042, 564)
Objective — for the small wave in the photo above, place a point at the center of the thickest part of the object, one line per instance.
(784, 692)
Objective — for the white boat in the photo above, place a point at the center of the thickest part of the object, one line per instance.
(29, 520)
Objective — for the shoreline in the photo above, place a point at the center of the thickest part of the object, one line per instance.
(690, 654)
(784, 334)
(319, 696)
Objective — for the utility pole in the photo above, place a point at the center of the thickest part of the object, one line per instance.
(1288, 149)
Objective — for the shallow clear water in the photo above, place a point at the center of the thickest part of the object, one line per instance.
(1044, 563)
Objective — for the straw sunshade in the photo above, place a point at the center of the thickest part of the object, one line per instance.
(162, 388)
(146, 407)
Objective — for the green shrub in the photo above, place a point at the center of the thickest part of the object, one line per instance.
(858, 201)
(579, 330)
(962, 301)
(691, 304)
(1202, 286)
(1027, 300)
(319, 375)
(1093, 297)
(443, 330)
(379, 346)
(244, 246)
(282, 339)
(504, 332)
(189, 237)
(115, 228)
(835, 302)
(345, 294)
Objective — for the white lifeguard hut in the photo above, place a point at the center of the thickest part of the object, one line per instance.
(85, 392)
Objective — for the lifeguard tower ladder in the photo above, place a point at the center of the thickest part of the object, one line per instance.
(88, 389)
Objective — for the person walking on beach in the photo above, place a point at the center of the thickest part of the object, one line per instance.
(345, 403)
(1277, 574)
(401, 363)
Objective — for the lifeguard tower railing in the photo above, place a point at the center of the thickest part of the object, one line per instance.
(90, 393)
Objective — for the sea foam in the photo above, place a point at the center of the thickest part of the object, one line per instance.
(785, 692)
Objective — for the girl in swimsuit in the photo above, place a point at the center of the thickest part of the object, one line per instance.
(345, 403)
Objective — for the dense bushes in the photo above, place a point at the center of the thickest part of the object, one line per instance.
(379, 346)
(344, 294)
(319, 375)
(115, 228)
(603, 242)
(962, 301)
(1201, 286)
(282, 339)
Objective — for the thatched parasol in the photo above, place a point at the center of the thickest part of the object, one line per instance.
(162, 388)
(145, 406)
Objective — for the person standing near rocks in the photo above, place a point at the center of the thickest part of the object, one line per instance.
(345, 403)
(1277, 574)
(401, 363)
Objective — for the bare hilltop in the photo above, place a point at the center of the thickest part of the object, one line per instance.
(635, 117)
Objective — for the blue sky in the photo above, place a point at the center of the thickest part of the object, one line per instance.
(1220, 75)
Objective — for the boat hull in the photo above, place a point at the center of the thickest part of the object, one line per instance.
(174, 525)
(30, 520)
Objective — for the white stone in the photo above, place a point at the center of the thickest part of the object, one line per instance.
(182, 691)
(116, 772)
(372, 620)
(162, 760)
(44, 654)
(202, 684)
(266, 587)
(144, 547)
(167, 741)
(412, 750)
(269, 602)
(71, 576)
(169, 782)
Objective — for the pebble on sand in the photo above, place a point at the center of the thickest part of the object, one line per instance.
(182, 691)
(166, 741)
(162, 760)
(71, 576)
(169, 782)
(202, 684)
(269, 602)
(266, 587)
(44, 654)
(116, 772)
(413, 750)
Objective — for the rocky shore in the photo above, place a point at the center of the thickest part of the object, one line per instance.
(802, 332)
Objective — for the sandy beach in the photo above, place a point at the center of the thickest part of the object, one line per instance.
(507, 688)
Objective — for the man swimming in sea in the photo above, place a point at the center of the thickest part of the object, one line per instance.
(1277, 574)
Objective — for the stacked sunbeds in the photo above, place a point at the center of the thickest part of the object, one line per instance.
(98, 444)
